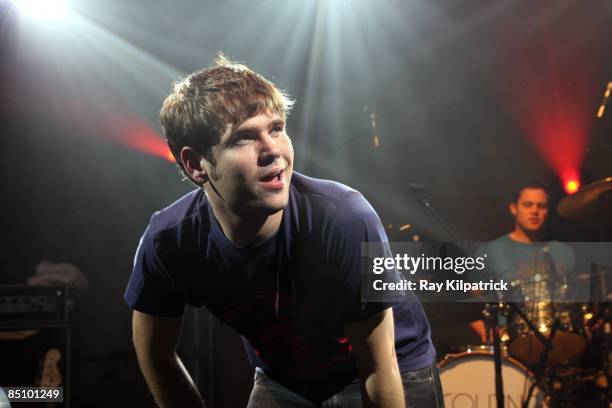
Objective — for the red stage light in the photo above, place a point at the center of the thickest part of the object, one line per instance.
(570, 179)
(140, 136)
(572, 186)
(552, 96)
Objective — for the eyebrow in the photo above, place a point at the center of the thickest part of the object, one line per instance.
(241, 132)
(246, 130)
(277, 122)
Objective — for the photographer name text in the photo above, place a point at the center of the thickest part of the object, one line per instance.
(450, 285)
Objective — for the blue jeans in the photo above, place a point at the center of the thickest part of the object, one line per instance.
(422, 389)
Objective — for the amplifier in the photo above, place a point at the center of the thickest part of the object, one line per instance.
(36, 355)
(23, 303)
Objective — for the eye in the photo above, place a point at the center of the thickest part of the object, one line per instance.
(278, 129)
(242, 139)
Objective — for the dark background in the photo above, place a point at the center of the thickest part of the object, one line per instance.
(460, 89)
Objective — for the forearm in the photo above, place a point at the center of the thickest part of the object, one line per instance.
(478, 327)
(171, 384)
(383, 388)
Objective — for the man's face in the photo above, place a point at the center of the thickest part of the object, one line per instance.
(531, 209)
(254, 163)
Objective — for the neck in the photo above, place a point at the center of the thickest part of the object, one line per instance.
(244, 228)
(527, 237)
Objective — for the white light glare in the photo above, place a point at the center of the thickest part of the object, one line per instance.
(42, 9)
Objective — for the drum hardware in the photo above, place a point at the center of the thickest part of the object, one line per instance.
(535, 330)
(531, 334)
(486, 317)
(551, 347)
(583, 375)
(477, 348)
(562, 383)
(490, 313)
(569, 343)
(568, 383)
(595, 321)
(541, 364)
(574, 386)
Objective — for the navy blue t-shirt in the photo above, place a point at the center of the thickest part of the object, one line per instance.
(288, 296)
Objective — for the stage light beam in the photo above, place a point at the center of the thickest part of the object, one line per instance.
(42, 9)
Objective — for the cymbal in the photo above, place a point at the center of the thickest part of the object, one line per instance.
(590, 201)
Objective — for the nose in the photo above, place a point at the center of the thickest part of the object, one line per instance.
(270, 150)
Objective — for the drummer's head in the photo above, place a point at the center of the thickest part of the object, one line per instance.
(529, 206)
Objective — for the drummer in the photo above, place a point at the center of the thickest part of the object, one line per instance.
(522, 255)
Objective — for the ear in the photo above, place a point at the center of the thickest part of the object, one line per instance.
(193, 163)
(512, 208)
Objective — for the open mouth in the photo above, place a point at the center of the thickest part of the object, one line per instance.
(272, 177)
(274, 180)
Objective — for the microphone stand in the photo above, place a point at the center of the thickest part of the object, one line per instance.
(419, 192)
(499, 383)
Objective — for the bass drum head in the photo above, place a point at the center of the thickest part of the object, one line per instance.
(468, 381)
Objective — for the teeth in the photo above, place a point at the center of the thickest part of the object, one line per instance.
(272, 177)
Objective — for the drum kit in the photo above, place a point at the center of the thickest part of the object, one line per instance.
(552, 354)
(558, 365)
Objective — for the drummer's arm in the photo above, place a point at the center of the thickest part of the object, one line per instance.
(479, 327)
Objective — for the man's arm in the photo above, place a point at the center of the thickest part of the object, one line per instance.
(155, 341)
(373, 343)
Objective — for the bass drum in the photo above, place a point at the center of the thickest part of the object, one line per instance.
(468, 381)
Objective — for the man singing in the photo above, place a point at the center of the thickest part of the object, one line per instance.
(274, 254)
